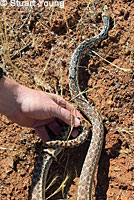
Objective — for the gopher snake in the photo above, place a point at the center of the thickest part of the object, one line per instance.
(44, 161)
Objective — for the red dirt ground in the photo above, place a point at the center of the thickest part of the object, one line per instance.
(52, 36)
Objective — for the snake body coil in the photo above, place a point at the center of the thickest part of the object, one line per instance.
(94, 151)
(44, 161)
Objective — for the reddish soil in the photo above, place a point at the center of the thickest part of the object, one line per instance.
(53, 35)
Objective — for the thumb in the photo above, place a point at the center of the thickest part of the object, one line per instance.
(64, 115)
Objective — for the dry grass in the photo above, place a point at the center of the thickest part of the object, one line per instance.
(40, 78)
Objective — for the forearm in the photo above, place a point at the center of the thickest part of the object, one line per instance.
(8, 96)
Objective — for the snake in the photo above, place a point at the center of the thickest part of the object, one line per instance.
(46, 157)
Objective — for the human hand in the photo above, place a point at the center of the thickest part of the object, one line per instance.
(38, 109)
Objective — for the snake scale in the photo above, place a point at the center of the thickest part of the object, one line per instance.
(44, 161)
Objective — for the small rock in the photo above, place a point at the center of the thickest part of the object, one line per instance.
(11, 162)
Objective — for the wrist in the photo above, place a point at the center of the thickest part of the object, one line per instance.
(8, 96)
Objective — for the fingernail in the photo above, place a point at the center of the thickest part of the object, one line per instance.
(74, 132)
(76, 122)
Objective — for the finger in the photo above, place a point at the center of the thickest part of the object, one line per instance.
(39, 123)
(76, 113)
(43, 134)
(64, 115)
(61, 102)
(75, 132)
(54, 127)
(64, 104)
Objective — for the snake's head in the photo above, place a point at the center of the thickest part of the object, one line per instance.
(105, 12)
(105, 8)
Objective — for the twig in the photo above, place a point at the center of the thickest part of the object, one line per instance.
(62, 186)
(61, 81)
(72, 126)
(126, 130)
(83, 92)
(52, 182)
(20, 50)
(4, 148)
(126, 70)
(48, 61)
(25, 20)
(119, 194)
